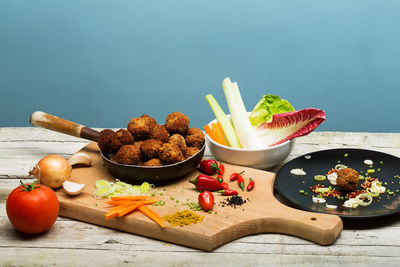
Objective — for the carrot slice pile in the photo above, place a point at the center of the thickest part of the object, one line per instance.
(127, 204)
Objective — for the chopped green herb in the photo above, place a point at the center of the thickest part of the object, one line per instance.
(301, 191)
(338, 161)
(371, 171)
(210, 211)
(164, 189)
(172, 198)
(346, 155)
(306, 193)
(381, 162)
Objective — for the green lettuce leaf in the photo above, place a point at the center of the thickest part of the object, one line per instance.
(268, 106)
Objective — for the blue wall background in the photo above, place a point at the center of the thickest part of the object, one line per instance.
(102, 62)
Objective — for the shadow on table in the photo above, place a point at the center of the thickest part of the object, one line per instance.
(357, 224)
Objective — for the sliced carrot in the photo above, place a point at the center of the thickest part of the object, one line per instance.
(119, 202)
(132, 198)
(129, 209)
(117, 208)
(152, 215)
(218, 134)
(209, 131)
(111, 215)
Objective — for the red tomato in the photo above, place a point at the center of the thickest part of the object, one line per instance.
(206, 200)
(32, 209)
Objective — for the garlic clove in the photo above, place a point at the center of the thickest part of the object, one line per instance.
(72, 188)
(80, 158)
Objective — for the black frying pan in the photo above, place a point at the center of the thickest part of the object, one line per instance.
(128, 173)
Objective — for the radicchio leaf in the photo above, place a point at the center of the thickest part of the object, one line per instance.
(286, 126)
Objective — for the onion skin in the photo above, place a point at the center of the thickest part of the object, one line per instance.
(52, 171)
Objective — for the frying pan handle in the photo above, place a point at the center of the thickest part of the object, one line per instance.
(51, 122)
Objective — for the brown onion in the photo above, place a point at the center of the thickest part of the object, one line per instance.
(52, 170)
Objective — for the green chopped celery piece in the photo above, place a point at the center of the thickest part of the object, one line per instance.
(226, 125)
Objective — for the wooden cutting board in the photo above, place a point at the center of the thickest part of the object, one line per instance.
(261, 213)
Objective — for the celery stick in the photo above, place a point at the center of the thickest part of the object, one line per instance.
(227, 128)
(244, 130)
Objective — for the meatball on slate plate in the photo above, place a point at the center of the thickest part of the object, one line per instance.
(320, 162)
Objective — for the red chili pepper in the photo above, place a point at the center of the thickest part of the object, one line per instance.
(204, 182)
(241, 182)
(219, 178)
(206, 200)
(228, 192)
(235, 176)
(209, 166)
(251, 184)
(221, 170)
(224, 186)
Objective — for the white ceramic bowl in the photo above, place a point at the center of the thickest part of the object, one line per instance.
(262, 158)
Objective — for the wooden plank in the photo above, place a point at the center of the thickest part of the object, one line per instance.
(127, 257)
(73, 234)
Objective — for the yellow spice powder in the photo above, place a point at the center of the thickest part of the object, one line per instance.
(182, 218)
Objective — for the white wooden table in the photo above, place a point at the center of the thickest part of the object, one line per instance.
(73, 243)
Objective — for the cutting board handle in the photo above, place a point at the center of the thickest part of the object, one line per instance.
(51, 122)
(320, 228)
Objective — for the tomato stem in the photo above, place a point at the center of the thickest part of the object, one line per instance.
(29, 187)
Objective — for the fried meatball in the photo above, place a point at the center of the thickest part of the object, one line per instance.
(150, 120)
(139, 127)
(347, 179)
(177, 123)
(150, 148)
(153, 163)
(170, 153)
(104, 141)
(120, 138)
(138, 143)
(195, 137)
(159, 132)
(190, 151)
(178, 140)
(128, 154)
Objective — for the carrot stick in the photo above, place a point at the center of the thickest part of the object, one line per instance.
(117, 208)
(129, 209)
(111, 215)
(119, 202)
(218, 134)
(132, 198)
(152, 215)
(209, 131)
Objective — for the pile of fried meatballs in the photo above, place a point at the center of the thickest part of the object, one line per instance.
(147, 143)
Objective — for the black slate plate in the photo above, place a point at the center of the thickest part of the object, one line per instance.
(288, 186)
